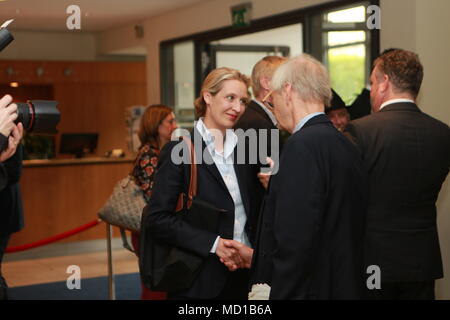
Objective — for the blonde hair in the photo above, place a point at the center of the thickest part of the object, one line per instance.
(265, 68)
(308, 77)
(214, 83)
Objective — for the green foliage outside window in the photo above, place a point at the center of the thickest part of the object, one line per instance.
(347, 73)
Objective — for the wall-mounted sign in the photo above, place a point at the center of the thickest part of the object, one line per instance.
(241, 15)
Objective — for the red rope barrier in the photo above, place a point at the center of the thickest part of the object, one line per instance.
(55, 238)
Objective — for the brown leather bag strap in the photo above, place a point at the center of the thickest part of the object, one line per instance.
(192, 192)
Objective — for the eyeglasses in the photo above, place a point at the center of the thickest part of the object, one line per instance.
(266, 98)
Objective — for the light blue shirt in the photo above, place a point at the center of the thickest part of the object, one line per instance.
(305, 120)
(224, 163)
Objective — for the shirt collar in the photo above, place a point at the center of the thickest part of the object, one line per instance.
(230, 139)
(305, 120)
(395, 101)
(269, 113)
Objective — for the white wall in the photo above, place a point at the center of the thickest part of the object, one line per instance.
(433, 47)
(201, 17)
(31, 45)
(423, 27)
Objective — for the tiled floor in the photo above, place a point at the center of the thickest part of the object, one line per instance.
(52, 269)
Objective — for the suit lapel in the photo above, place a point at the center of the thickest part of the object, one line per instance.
(242, 182)
(208, 162)
(257, 108)
(214, 171)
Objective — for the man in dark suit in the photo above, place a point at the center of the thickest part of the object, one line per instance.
(407, 155)
(310, 236)
(11, 219)
(259, 115)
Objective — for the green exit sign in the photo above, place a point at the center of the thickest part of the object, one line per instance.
(241, 15)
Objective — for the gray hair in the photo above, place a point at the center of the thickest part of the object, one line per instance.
(308, 77)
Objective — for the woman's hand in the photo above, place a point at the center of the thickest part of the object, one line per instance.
(228, 255)
(245, 253)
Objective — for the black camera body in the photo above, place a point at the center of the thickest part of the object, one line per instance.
(37, 116)
(5, 38)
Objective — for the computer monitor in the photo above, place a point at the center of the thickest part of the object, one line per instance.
(78, 144)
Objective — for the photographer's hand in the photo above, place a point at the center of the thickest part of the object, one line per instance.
(13, 142)
(8, 113)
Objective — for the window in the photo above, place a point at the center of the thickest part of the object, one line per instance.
(346, 50)
(243, 52)
(178, 80)
(336, 35)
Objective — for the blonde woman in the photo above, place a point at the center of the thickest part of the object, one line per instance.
(220, 182)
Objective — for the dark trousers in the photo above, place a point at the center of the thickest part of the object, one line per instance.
(4, 238)
(404, 291)
(236, 287)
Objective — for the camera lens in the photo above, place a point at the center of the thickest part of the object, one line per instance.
(39, 116)
(24, 113)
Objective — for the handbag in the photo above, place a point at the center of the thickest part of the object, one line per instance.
(164, 267)
(124, 207)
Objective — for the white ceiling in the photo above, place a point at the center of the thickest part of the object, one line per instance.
(96, 15)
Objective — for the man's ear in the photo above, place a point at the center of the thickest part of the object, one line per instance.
(287, 92)
(384, 83)
(265, 83)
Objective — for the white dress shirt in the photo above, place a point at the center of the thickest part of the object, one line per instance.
(224, 163)
(395, 101)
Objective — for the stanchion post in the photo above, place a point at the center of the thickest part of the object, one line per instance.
(111, 286)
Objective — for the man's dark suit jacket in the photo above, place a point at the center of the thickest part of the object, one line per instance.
(170, 180)
(3, 177)
(11, 212)
(256, 118)
(407, 154)
(310, 239)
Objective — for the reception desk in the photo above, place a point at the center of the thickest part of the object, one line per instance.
(59, 195)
